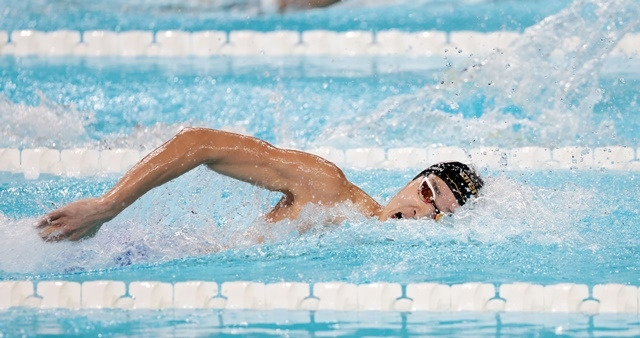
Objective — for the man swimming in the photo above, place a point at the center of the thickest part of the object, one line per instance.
(301, 177)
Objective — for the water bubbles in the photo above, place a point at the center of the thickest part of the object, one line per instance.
(46, 125)
(553, 81)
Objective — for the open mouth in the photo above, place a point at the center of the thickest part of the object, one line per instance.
(397, 215)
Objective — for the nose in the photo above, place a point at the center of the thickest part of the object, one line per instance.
(416, 209)
(420, 214)
(424, 210)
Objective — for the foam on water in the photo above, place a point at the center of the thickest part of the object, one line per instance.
(197, 214)
(45, 125)
(201, 213)
(540, 90)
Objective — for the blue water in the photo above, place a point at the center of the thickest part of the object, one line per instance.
(537, 226)
(295, 102)
(305, 324)
(481, 15)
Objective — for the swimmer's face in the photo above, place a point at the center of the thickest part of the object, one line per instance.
(410, 202)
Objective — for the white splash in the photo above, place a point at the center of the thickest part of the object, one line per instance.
(45, 125)
(541, 90)
(147, 138)
(185, 219)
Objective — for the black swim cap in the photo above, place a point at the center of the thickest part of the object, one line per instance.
(463, 181)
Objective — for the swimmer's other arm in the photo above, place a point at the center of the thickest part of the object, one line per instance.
(241, 157)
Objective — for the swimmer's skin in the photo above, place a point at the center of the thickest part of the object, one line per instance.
(301, 177)
(304, 4)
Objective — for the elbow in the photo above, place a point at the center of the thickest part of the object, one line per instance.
(188, 132)
(188, 139)
(195, 136)
(191, 143)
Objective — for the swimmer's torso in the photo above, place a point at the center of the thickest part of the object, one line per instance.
(290, 206)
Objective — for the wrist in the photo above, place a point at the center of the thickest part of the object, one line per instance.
(108, 207)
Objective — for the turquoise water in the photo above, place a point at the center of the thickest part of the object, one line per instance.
(295, 102)
(305, 324)
(538, 226)
(192, 15)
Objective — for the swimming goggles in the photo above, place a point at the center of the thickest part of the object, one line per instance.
(428, 195)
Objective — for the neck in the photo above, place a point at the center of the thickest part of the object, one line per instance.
(365, 203)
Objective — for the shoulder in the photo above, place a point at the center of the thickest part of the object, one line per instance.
(324, 182)
(316, 178)
(313, 168)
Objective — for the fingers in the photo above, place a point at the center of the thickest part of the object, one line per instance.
(43, 222)
(72, 222)
(49, 218)
(56, 231)
(52, 233)
(53, 230)
(54, 237)
(57, 234)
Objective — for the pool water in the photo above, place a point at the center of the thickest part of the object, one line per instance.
(305, 324)
(483, 15)
(294, 102)
(539, 226)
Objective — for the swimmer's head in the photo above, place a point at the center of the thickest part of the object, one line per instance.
(435, 192)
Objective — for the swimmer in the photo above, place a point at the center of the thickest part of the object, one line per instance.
(301, 177)
(259, 6)
(303, 4)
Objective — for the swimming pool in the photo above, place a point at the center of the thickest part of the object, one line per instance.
(557, 212)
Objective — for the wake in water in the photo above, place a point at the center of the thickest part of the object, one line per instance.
(46, 125)
(540, 90)
(196, 216)
(202, 214)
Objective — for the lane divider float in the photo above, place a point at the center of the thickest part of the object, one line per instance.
(90, 162)
(335, 296)
(172, 43)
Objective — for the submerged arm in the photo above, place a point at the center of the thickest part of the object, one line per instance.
(240, 157)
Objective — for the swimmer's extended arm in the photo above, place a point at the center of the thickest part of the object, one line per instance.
(241, 157)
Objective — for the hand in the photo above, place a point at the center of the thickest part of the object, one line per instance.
(74, 221)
